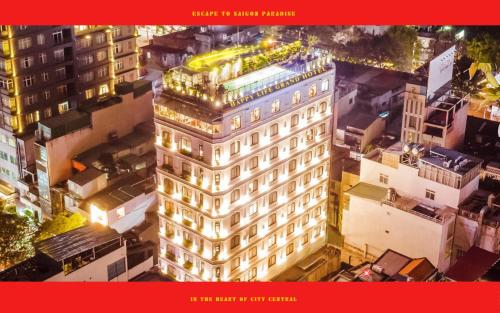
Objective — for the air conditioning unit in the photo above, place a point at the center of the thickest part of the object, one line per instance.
(377, 268)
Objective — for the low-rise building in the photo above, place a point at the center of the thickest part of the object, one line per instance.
(413, 195)
(478, 223)
(63, 138)
(88, 253)
(475, 265)
(390, 266)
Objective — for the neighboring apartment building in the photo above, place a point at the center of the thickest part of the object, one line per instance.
(36, 82)
(243, 162)
(407, 200)
(63, 139)
(478, 223)
(48, 70)
(433, 114)
(105, 56)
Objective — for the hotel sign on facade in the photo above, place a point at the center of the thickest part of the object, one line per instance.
(278, 86)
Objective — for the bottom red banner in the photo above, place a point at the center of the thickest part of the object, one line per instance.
(243, 297)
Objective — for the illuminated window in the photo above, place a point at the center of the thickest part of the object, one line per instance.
(273, 197)
(321, 129)
(235, 218)
(252, 231)
(235, 195)
(63, 107)
(305, 239)
(324, 85)
(322, 107)
(296, 97)
(274, 129)
(291, 208)
(57, 36)
(100, 38)
(27, 62)
(384, 179)
(306, 198)
(253, 186)
(28, 81)
(295, 120)
(252, 253)
(254, 162)
(307, 178)
(235, 241)
(25, 43)
(236, 122)
(293, 143)
(235, 263)
(272, 240)
(310, 112)
(320, 150)
(253, 273)
(289, 248)
(319, 171)
(273, 153)
(42, 57)
(312, 90)
(290, 229)
(235, 148)
(429, 194)
(103, 89)
(185, 144)
(275, 106)
(271, 261)
(217, 155)
(305, 219)
(255, 116)
(291, 187)
(273, 176)
(254, 139)
(235, 172)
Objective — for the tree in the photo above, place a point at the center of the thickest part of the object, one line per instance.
(61, 223)
(484, 49)
(400, 45)
(17, 235)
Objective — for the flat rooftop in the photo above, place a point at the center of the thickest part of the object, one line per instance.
(358, 120)
(121, 192)
(76, 241)
(459, 163)
(377, 80)
(475, 263)
(368, 191)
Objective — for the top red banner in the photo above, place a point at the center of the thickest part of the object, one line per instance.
(251, 12)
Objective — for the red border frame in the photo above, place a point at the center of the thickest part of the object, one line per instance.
(320, 12)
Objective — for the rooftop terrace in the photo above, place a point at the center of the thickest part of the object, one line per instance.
(226, 78)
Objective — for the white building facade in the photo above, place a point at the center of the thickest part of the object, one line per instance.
(246, 199)
(408, 202)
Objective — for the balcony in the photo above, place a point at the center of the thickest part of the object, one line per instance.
(171, 257)
(168, 167)
(186, 152)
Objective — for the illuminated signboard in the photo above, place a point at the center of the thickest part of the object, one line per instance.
(278, 86)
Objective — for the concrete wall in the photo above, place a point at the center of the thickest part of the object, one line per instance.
(97, 270)
(60, 151)
(140, 268)
(370, 226)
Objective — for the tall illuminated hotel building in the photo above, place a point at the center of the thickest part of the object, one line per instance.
(243, 147)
